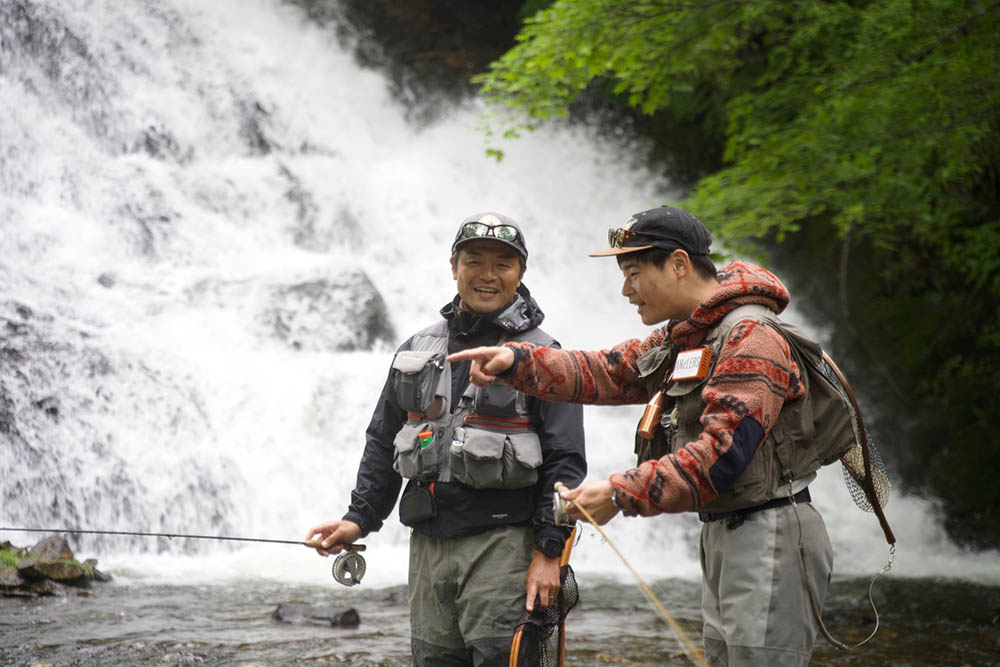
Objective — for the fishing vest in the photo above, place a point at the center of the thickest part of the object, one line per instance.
(806, 435)
(485, 441)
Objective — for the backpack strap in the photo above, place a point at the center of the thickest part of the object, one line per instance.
(750, 311)
(759, 313)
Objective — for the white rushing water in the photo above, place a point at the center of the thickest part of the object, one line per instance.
(175, 180)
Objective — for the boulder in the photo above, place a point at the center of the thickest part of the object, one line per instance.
(298, 613)
(48, 568)
(91, 564)
(9, 578)
(53, 547)
(63, 571)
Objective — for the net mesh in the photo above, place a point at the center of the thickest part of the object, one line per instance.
(538, 640)
(854, 460)
(854, 476)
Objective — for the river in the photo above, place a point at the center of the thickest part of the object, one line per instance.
(214, 229)
(923, 623)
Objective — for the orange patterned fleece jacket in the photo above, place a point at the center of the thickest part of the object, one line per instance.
(753, 377)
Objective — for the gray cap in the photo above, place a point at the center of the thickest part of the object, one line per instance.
(491, 226)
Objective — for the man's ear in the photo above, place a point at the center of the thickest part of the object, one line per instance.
(680, 263)
(454, 266)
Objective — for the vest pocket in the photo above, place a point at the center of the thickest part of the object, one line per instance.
(495, 460)
(413, 459)
(417, 373)
(522, 457)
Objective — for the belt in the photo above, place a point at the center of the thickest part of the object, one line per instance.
(800, 497)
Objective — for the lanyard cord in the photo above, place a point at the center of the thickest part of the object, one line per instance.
(816, 608)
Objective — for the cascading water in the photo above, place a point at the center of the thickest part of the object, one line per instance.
(215, 230)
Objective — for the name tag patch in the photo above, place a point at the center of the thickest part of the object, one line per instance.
(692, 364)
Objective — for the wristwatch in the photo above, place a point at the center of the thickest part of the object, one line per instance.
(551, 547)
(615, 501)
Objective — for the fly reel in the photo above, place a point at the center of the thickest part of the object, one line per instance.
(349, 567)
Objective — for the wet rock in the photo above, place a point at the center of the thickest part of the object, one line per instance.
(395, 595)
(44, 588)
(47, 568)
(63, 571)
(91, 564)
(52, 547)
(9, 577)
(298, 613)
(341, 314)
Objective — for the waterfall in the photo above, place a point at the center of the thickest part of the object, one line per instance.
(214, 230)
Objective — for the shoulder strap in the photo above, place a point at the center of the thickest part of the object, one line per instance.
(751, 311)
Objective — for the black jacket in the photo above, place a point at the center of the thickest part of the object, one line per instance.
(462, 510)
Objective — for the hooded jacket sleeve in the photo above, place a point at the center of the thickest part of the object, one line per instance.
(378, 484)
(602, 377)
(750, 383)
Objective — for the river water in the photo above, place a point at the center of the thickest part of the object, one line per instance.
(923, 623)
(214, 229)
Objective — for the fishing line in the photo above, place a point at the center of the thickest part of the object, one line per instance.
(348, 568)
(314, 544)
(692, 651)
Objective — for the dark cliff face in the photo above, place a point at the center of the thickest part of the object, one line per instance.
(428, 48)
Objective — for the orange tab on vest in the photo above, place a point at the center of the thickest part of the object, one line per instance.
(692, 364)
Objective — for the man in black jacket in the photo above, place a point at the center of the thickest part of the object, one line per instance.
(481, 464)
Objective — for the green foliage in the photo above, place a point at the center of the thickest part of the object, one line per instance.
(876, 123)
(8, 557)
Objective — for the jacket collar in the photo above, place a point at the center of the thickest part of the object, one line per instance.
(521, 314)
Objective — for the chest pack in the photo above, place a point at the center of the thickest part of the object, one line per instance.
(482, 438)
(819, 427)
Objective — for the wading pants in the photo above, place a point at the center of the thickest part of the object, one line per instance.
(467, 595)
(755, 605)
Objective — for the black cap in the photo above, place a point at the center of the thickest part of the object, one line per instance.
(491, 220)
(663, 227)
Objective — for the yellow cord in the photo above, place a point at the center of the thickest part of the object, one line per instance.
(696, 654)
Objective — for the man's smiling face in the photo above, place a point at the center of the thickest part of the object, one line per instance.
(653, 290)
(488, 273)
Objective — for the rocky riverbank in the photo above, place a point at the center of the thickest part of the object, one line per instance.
(47, 568)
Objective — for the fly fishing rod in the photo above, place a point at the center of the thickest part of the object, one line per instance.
(348, 568)
(694, 653)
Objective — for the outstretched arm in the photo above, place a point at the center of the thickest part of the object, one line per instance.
(606, 377)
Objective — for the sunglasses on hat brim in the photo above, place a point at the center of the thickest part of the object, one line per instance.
(479, 230)
(619, 236)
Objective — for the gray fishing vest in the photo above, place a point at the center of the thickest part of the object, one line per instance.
(790, 451)
(486, 440)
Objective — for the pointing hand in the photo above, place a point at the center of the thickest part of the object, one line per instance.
(487, 362)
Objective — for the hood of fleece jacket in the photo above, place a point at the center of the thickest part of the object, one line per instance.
(741, 283)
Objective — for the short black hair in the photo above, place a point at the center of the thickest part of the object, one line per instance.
(703, 264)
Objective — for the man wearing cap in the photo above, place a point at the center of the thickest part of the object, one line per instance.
(480, 464)
(715, 378)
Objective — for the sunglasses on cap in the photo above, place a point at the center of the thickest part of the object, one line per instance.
(472, 230)
(617, 236)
